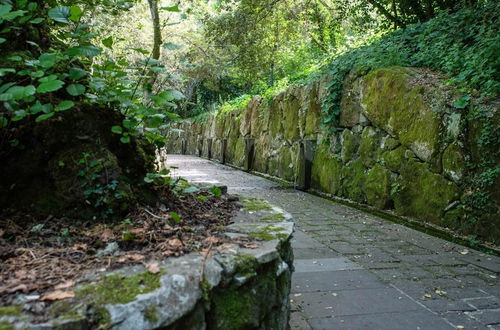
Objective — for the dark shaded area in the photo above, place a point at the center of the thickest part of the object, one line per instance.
(73, 165)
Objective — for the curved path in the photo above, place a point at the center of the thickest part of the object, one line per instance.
(354, 270)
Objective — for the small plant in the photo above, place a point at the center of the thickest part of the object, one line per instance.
(176, 218)
(216, 191)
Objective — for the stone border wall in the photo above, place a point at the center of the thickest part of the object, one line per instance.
(232, 288)
(401, 145)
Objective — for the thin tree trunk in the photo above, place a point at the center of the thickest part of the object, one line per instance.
(156, 52)
(155, 17)
(386, 13)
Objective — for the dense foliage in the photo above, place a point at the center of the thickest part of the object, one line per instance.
(464, 45)
(53, 59)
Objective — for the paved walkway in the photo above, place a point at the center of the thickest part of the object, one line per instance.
(357, 271)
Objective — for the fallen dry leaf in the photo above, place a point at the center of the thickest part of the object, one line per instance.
(250, 246)
(133, 257)
(153, 267)
(58, 295)
(2, 232)
(225, 247)
(106, 235)
(65, 285)
(175, 242)
(212, 239)
(11, 289)
(79, 247)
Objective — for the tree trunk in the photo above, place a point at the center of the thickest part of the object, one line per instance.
(155, 17)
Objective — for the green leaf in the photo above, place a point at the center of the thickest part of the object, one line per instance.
(141, 50)
(84, 51)
(108, 42)
(129, 124)
(32, 6)
(77, 73)
(75, 89)
(12, 15)
(15, 58)
(174, 9)
(171, 46)
(463, 102)
(5, 97)
(6, 70)
(37, 20)
(60, 14)
(44, 117)
(6, 87)
(2, 40)
(5, 9)
(3, 122)
(75, 13)
(19, 115)
(48, 78)
(64, 105)
(190, 190)
(125, 139)
(21, 92)
(216, 191)
(47, 60)
(50, 86)
(176, 217)
(117, 129)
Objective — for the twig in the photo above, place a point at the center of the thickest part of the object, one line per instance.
(202, 274)
(154, 215)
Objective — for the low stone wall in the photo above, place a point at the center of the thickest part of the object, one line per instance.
(232, 288)
(401, 145)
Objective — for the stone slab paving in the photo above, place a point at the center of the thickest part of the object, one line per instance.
(357, 271)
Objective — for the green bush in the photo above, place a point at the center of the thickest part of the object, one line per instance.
(465, 45)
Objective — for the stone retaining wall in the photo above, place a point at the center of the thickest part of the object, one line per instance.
(401, 145)
(233, 288)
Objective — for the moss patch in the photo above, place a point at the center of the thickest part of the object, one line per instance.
(11, 310)
(274, 217)
(118, 289)
(151, 314)
(256, 204)
(394, 159)
(423, 194)
(393, 103)
(246, 264)
(268, 233)
(5, 326)
(326, 172)
(377, 187)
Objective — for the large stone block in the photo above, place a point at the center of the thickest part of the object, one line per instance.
(377, 187)
(423, 194)
(326, 172)
(393, 99)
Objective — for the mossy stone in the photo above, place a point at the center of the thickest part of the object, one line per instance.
(312, 112)
(454, 162)
(350, 104)
(394, 159)
(389, 143)
(291, 106)
(423, 194)
(369, 146)
(350, 143)
(392, 101)
(239, 152)
(377, 187)
(326, 172)
(354, 177)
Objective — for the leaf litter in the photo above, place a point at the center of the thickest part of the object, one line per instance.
(44, 257)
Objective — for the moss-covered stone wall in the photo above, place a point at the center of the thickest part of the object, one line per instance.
(401, 145)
